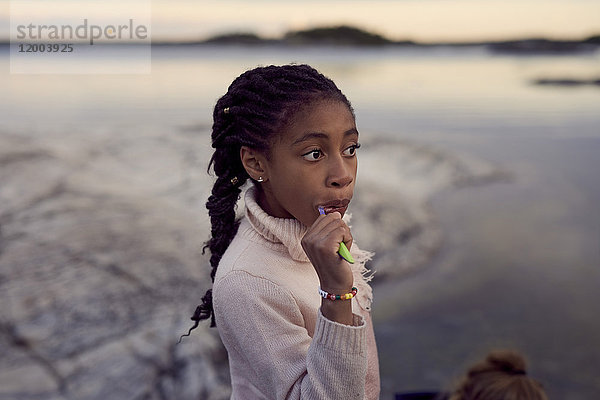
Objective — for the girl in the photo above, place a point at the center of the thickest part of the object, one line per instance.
(292, 133)
(502, 375)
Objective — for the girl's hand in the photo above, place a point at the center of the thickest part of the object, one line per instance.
(321, 243)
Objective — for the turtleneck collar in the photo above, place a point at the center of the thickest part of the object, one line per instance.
(289, 232)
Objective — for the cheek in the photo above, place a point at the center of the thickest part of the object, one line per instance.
(296, 193)
(294, 187)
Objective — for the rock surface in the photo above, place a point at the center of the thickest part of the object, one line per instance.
(100, 254)
(100, 272)
(396, 180)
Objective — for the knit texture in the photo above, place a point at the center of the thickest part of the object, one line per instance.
(267, 309)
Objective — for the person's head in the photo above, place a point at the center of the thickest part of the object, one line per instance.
(292, 132)
(501, 376)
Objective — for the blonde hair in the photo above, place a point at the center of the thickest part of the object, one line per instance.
(501, 376)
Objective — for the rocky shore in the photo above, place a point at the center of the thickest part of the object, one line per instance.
(100, 254)
(98, 275)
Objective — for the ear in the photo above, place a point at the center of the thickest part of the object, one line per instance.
(254, 163)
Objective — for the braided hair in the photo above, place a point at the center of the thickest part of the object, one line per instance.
(258, 105)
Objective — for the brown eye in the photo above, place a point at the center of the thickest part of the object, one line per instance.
(351, 151)
(313, 155)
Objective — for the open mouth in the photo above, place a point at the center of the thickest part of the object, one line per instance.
(340, 209)
(339, 205)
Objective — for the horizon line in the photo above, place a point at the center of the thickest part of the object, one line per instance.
(282, 37)
(267, 41)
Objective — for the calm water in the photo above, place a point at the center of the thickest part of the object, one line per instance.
(519, 265)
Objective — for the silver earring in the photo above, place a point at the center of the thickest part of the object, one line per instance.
(260, 179)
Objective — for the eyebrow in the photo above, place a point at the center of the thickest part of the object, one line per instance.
(321, 135)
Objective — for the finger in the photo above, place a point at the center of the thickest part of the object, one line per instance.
(338, 232)
(321, 224)
(331, 224)
(348, 240)
(346, 235)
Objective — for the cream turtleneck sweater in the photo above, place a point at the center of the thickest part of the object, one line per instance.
(267, 310)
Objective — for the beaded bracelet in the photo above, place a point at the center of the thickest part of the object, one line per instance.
(346, 296)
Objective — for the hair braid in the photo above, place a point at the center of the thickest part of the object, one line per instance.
(257, 105)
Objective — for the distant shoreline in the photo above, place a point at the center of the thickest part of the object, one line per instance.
(347, 36)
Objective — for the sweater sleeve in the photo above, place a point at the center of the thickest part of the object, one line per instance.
(262, 323)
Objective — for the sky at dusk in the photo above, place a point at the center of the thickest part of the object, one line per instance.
(421, 20)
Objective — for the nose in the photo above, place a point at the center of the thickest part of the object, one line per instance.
(341, 172)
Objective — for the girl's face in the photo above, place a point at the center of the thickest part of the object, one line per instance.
(312, 164)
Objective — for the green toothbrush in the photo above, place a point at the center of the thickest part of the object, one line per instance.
(343, 250)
